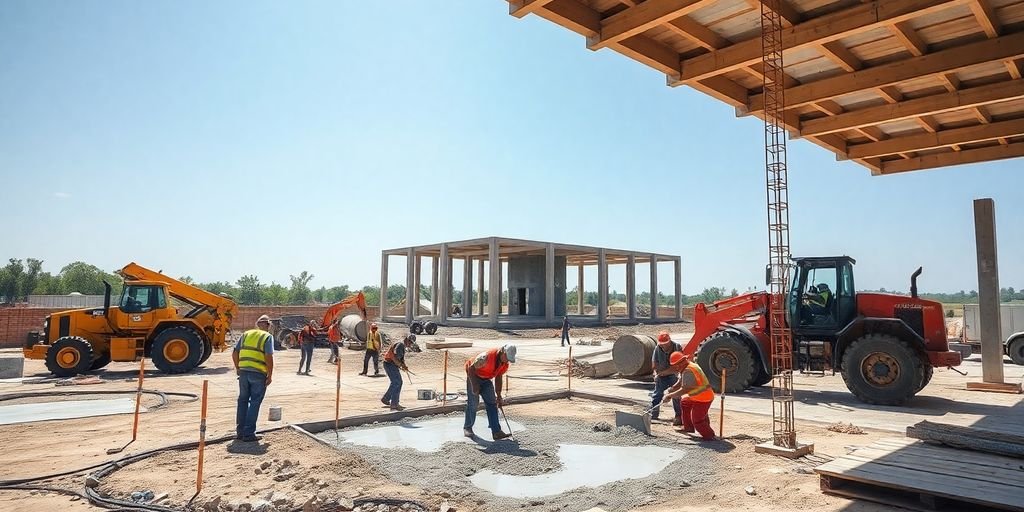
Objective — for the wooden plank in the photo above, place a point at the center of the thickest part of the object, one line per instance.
(637, 20)
(520, 8)
(908, 36)
(944, 453)
(572, 15)
(697, 33)
(820, 30)
(953, 467)
(1012, 388)
(939, 139)
(789, 15)
(888, 497)
(890, 94)
(969, 156)
(651, 53)
(999, 443)
(836, 52)
(906, 109)
(986, 16)
(945, 61)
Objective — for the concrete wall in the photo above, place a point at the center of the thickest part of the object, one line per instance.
(528, 272)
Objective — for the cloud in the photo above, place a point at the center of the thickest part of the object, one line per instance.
(61, 195)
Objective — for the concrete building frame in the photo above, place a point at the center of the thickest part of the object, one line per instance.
(544, 263)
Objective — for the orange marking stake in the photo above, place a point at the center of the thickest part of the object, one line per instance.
(138, 402)
(444, 386)
(337, 397)
(202, 443)
(721, 411)
(570, 367)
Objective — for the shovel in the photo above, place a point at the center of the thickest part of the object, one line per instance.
(509, 427)
(640, 422)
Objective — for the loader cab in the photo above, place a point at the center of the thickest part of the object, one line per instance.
(142, 305)
(822, 297)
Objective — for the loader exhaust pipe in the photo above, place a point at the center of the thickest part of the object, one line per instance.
(913, 281)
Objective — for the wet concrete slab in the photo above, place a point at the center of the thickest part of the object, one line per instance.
(425, 436)
(582, 466)
(64, 410)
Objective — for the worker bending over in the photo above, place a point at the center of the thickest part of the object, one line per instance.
(483, 379)
(394, 362)
(664, 375)
(696, 393)
(373, 345)
(334, 338)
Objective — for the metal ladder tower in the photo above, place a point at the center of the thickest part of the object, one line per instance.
(783, 425)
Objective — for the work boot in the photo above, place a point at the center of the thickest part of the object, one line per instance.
(397, 408)
(498, 435)
(298, 372)
(252, 439)
(362, 373)
(385, 402)
(677, 422)
(468, 432)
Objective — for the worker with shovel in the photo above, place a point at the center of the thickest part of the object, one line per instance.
(394, 362)
(483, 380)
(665, 376)
(695, 390)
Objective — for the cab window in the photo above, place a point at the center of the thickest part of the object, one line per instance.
(141, 299)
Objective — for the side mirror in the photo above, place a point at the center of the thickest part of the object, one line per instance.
(768, 275)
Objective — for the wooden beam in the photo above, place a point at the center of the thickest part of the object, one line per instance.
(950, 81)
(829, 107)
(789, 15)
(939, 139)
(836, 52)
(908, 36)
(637, 20)
(929, 124)
(724, 90)
(1014, 68)
(945, 61)
(928, 105)
(830, 27)
(890, 94)
(572, 15)
(986, 16)
(968, 156)
(982, 115)
(697, 33)
(873, 132)
(650, 52)
(520, 8)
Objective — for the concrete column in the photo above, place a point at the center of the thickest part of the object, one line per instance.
(654, 287)
(383, 285)
(449, 286)
(410, 309)
(467, 286)
(579, 291)
(416, 278)
(631, 286)
(988, 291)
(442, 284)
(434, 277)
(549, 283)
(480, 286)
(602, 286)
(679, 288)
(494, 292)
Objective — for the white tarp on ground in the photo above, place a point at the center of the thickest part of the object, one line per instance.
(65, 409)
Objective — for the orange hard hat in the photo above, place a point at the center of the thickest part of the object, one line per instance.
(664, 338)
(373, 326)
(676, 358)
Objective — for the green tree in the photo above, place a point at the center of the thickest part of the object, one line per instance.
(299, 293)
(10, 280)
(86, 279)
(47, 284)
(30, 278)
(372, 295)
(219, 287)
(187, 279)
(336, 294)
(274, 295)
(250, 291)
(712, 294)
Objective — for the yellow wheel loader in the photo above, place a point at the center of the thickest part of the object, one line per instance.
(175, 324)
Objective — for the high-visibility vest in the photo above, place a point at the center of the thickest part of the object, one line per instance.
(373, 341)
(492, 366)
(389, 356)
(251, 355)
(703, 391)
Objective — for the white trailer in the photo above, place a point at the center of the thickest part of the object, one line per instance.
(1011, 331)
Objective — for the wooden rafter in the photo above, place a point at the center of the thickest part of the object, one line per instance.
(636, 20)
(824, 29)
(908, 36)
(697, 33)
(941, 62)
(986, 16)
(520, 8)
(839, 54)
(890, 94)
(923, 141)
(1013, 66)
(968, 156)
(929, 124)
(789, 15)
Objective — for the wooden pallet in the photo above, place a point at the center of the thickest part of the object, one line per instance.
(970, 438)
(911, 474)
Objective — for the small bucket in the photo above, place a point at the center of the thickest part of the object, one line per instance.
(425, 394)
(275, 413)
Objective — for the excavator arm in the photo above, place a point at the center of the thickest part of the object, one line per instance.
(223, 309)
(357, 299)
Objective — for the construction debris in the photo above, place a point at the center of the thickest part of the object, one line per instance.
(845, 428)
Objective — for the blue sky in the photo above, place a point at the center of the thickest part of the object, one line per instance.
(217, 139)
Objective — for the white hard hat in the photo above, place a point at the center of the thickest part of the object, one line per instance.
(510, 352)
(263, 318)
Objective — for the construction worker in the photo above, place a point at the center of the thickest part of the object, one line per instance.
(334, 338)
(483, 380)
(253, 357)
(394, 361)
(664, 375)
(373, 345)
(565, 331)
(307, 340)
(694, 388)
(817, 301)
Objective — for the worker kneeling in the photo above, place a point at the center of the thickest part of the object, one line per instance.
(696, 393)
(394, 362)
(483, 379)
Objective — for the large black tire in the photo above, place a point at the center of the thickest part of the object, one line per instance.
(430, 328)
(1015, 349)
(881, 369)
(101, 361)
(726, 349)
(207, 350)
(416, 328)
(69, 356)
(177, 349)
(762, 377)
(928, 372)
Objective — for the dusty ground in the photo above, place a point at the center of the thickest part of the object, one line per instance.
(42, 448)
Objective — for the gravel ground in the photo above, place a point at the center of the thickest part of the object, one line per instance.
(534, 452)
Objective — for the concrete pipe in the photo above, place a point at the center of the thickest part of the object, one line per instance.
(354, 327)
(632, 354)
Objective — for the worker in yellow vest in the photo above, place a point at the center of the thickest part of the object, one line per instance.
(373, 345)
(696, 395)
(254, 364)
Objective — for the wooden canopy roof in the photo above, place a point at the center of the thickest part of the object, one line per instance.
(895, 85)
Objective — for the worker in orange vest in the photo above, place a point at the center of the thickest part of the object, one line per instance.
(334, 337)
(394, 360)
(483, 379)
(696, 395)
